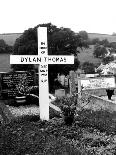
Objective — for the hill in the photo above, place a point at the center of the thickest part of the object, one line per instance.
(10, 38)
(110, 38)
(84, 55)
(87, 55)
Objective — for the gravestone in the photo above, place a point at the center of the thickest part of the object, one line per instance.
(78, 73)
(12, 83)
(72, 83)
(43, 59)
(60, 92)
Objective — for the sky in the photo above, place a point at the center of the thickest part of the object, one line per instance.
(93, 16)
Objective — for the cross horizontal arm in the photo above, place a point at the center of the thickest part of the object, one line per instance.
(37, 59)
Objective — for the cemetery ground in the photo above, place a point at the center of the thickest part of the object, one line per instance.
(92, 132)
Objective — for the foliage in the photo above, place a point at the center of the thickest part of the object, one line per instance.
(68, 108)
(113, 45)
(61, 41)
(108, 59)
(95, 41)
(4, 48)
(99, 51)
(89, 68)
(105, 43)
(84, 35)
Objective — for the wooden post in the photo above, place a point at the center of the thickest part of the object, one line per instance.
(72, 83)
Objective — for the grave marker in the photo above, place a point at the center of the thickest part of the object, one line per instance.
(43, 59)
(72, 83)
(11, 81)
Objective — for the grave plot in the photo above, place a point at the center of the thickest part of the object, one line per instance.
(97, 89)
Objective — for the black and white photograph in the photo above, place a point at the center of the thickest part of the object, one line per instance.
(58, 77)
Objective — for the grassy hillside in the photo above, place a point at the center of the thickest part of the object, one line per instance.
(10, 37)
(87, 55)
(110, 38)
(4, 62)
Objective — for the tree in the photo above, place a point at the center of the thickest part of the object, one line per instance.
(61, 41)
(4, 48)
(95, 41)
(108, 59)
(88, 68)
(104, 42)
(84, 35)
(99, 51)
(112, 45)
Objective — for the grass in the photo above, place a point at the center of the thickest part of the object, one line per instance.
(4, 62)
(91, 133)
(87, 55)
(35, 137)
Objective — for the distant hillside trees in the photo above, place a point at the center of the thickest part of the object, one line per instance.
(84, 35)
(4, 48)
(103, 42)
(94, 41)
(107, 59)
(99, 51)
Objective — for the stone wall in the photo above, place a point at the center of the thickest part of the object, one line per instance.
(98, 92)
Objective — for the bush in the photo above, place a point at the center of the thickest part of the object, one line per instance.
(68, 107)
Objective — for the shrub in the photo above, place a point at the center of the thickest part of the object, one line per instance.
(68, 107)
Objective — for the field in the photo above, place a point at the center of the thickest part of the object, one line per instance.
(110, 38)
(87, 55)
(4, 62)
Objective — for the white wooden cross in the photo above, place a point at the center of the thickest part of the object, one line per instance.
(43, 59)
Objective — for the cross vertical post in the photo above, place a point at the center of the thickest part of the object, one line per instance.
(43, 75)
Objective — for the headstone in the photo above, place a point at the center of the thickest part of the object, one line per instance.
(60, 92)
(43, 59)
(66, 81)
(62, 79)
(13, 82)
(98, 83)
